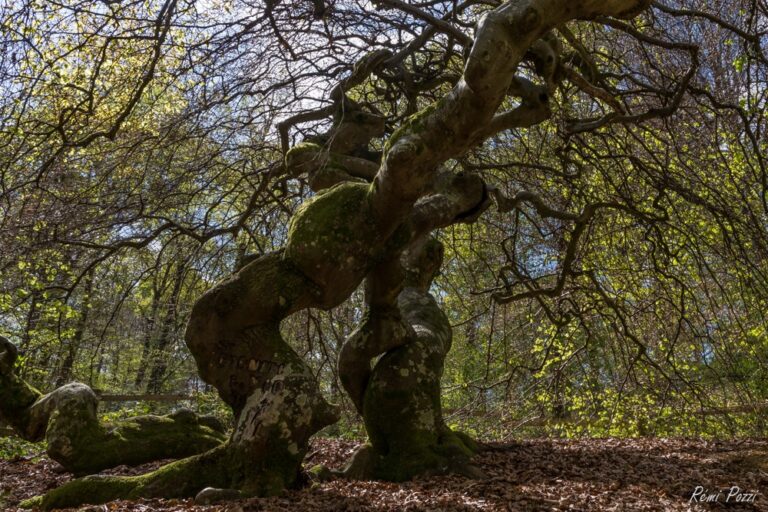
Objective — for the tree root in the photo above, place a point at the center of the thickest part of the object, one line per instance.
(448, 454)
(67, 419)
(262, 457)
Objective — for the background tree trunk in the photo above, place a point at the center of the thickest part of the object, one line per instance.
(159, 364)
(73, 345)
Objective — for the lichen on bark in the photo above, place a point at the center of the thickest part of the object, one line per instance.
(75, 438)
(262, 457)
(347, 233)
(401, 404)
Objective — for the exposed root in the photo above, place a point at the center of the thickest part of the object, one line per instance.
(67, 419)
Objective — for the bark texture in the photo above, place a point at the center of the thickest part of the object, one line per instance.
(67, 419)
(260, 459)
(400, 402)
(352, 231)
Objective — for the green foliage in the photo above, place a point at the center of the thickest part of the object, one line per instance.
(12, 447)
(147, 164)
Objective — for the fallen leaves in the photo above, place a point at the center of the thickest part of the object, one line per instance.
(530, 475)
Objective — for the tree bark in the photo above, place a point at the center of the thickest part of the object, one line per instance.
(400, 402)
(347, 232)
(159, 365)
(66, 418)
(149, 331)
(65, 372)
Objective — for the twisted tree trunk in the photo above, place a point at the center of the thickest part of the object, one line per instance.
(66, 418)
(234, 335)
(400, 398)
(348, 232)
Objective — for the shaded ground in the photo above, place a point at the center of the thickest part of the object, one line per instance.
(590, 474)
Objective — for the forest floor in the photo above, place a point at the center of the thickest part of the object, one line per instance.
(529, 475)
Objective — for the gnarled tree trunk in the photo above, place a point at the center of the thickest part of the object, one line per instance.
(66, 418)
(400, 398)
(349, 232)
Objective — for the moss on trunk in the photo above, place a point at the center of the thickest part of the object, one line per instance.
(402, 409)
(16, 396)
(401, 404)
(179, 479)
(262, 457)
(67, 419)
(84, 446)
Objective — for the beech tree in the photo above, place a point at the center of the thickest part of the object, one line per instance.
(390, 111)
(66, 418)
